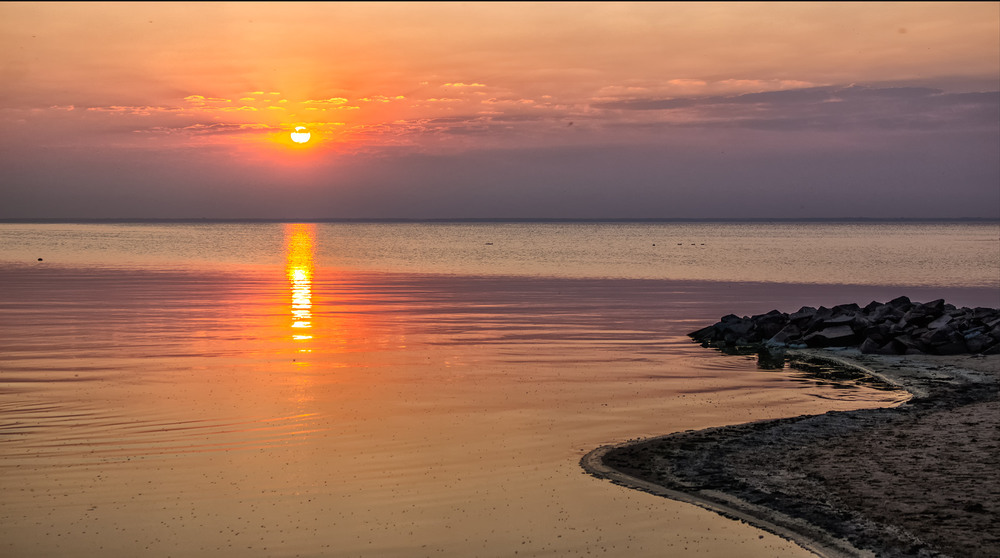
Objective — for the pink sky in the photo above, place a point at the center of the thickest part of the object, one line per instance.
(436, 110)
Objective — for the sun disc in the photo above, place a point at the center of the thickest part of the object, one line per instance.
(300, 135)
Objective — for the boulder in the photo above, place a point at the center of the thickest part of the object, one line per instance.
(940, 322)
(788, 335)
(848, 309)
(737, 333)
(705, 334)
(900, 303)
(837, 336)
(978, 342)
(770, 323)
(804, 314)
(934, 306)
(899, 326)
(872, 307)
(869, 346)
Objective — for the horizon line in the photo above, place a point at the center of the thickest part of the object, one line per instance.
(42, 220)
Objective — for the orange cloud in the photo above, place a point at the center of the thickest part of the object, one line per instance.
(382, 99)
(333, 101)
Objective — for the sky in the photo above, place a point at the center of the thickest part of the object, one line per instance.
(500, 110)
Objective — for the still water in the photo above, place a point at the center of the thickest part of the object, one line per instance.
(405, 389)
(908, 254)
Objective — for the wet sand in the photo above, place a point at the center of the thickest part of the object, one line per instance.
(919, 479)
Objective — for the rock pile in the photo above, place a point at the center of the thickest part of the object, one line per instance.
(893, 328)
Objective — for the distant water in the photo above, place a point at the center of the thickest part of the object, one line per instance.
(406, 389)
(906, 254)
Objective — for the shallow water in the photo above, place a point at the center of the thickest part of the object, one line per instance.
(279, 404)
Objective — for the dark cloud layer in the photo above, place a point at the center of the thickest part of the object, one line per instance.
(746, 173)
(831, 108)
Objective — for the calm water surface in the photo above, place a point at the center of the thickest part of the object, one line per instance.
(405, 389)
(907, 254)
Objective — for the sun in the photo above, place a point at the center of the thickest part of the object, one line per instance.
(300, 135)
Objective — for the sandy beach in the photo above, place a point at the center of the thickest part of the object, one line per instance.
(918, 479)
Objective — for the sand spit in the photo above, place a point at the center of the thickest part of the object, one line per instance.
(919, 479)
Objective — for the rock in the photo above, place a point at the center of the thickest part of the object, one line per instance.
(737, 333)
(934, 306)
(897, 327)
(837, 336)
(870, 346)
(770, 323)
(934, 337)
(940, 322)
(788, 335)
(995, 332)
(877, 333)
(804, 314)
(843, 319)
(906, 345)
(980, 313)
(978, 342)
(705, 333)
(900, 303)
(848, 309)
(872, 307)
(918, 315)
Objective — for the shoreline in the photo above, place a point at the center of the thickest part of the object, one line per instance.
(869, 482)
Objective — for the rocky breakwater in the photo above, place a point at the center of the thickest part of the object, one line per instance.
(897, 327)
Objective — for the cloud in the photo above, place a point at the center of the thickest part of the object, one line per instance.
(825, 107)
(509, 102)
(143, 110)
(332, 101)
(382, 99)
(202, 100)
(210, 129)
(650, 89)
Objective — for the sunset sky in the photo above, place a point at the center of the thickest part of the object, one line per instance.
(497, 110)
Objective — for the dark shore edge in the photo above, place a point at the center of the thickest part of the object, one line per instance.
(933, 383)
(801, 533)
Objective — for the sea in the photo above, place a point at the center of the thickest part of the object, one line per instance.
(410, 389)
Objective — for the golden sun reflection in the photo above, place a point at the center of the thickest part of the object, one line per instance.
(299, 240)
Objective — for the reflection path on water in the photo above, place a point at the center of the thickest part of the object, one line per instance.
(277, 411)
(299, 240)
